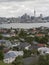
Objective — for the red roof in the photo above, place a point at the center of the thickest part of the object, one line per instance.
(39, 34)
(41, 45)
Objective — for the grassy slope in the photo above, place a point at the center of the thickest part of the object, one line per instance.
(2, 63)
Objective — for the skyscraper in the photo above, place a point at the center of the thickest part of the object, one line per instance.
(41, 16)
(34, 13)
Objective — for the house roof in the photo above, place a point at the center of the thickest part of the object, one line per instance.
(2, 41)
(10, 54)
(6, 42)
(43, 49)
(41, 45)
(34, 42)
(33, 47)
(47, 52)
(39, 35)
(23, 44)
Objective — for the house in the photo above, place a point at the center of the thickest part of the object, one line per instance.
(5, 43)
(40, 35)
(3, 30)
(43, 50)
(30, 36)
(10, 56)
(8, 34)
(34, 42)
(41, 45)
(22, 39)
(15, 44)
(23, 45)
(12, 33)
(48, 43)
(36, 45)
(33, 31)
(33, 47)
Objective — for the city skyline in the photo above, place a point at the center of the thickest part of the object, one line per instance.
(15, 8)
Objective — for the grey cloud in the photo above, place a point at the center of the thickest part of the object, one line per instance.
(15, 0)
(18, 7)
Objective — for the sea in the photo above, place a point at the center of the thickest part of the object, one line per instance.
(23, 25)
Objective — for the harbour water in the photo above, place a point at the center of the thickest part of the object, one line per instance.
(24, 25)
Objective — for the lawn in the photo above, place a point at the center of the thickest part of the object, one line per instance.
(2, 63)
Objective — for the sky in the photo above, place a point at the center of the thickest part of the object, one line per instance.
(15, 8)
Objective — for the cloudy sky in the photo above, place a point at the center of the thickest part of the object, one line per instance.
(15, 8)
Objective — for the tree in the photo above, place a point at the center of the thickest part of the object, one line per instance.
(1, 55)
(1, 36)
(36, 39)
(22, 34)
(43, 60)
(18, 61)
(27, 53)
(29, 39)
(43, 40)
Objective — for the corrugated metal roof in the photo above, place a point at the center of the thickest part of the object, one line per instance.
(8, 55)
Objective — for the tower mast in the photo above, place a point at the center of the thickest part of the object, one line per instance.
(34, 13)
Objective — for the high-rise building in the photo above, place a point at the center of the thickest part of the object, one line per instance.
(41, 16)
(34, 13)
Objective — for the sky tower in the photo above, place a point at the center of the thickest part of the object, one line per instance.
(34, 13)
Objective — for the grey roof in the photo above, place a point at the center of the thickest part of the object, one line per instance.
(6, 42)
(34, 42)
(8, 55)
(23, 44)
(33, 47)
(2, 41)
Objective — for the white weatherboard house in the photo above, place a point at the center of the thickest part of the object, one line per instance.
(43, 50)
(10, 56)
(15, 45)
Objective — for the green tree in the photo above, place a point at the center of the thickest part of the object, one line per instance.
(27, 53)
(43, 40)
(1, 55)
(22, 34)
(1, 36)
(43, 60)
(18, 61)
(36, 39)
(29, 39)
